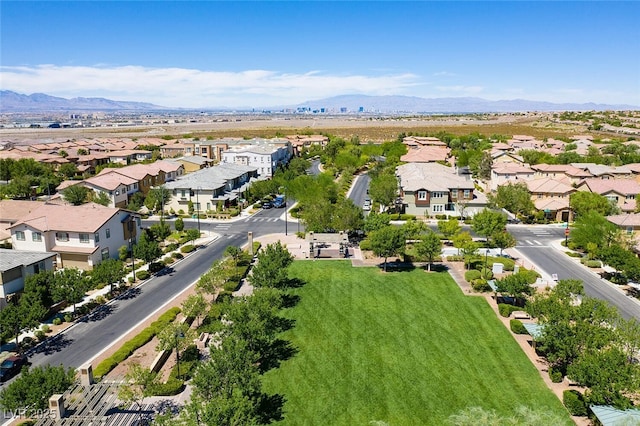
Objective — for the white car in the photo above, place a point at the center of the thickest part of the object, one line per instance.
(367, 205)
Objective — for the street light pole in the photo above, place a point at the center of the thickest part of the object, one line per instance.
(177, 354)
(198, 203)
(285, 211)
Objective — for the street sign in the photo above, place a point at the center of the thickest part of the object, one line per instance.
(566, 232)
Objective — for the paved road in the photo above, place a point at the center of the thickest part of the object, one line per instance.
(536, 244)
(87, 339)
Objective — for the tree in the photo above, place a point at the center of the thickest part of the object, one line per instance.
(70, 285)
(110, 271)
(449, 228)
(101, 198)
(193, 234)
(160, 231)
(375, 221)
(147, 248)
(515, 198)
(139, 384)
(68, 170)
(503, 240)
(31, 391)
(215, 277)
(175, 337)
(384, 188)
(430, 246)
(271, 269)
(469, 250)
(488, 222)
(21, 314)
(582, 202)
(414, 229)
(179, 224)
(386, 242)
(515, 285)
(592, 227)
(76, 194)
(234, 252)
(461, 240)
(157, 198)
(347, 216)
(194, 306)
(227, 389)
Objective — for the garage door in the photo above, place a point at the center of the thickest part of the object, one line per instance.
(70, 260)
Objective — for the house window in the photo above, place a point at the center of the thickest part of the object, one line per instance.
(84, 238)
(629, 230)
(96, 237)
(197, 150)
(437, 194)
(36, 236)
(422, 195)
(62, 236)
(467, 193)
(117, 192)
(438, 207)
(108, 232)
(105, 253)
(20, 235)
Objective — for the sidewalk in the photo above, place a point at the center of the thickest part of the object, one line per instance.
(10, 346)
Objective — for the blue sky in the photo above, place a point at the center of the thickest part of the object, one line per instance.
(241, 53)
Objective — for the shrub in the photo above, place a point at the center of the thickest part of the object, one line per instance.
(155, 267)
(505, 309)
(486, 273)
(517, 327)
(480, 284)
(171, 387)
(230, 286)
(57, 321)
(68, 318)
(531, 276)
(455, 258)
(555, 375)
(471, 275)
(172, 247)
(177, 255)
(573, 254)
(100, 300)
(45, 328)
(40, 335)
(142, 275)
(365, 245)
(187, 248)
(507, 263)
(574, 401)
(593, 264)
(167, 261)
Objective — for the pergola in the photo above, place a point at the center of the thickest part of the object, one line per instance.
(610, 416)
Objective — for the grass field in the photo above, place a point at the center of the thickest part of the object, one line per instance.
(404, 348)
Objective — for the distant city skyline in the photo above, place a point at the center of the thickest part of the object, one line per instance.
(259, 54)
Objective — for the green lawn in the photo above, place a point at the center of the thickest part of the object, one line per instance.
(402, 347)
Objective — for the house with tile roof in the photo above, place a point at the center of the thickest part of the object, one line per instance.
(426, 154)
(211, 188)
(118, 187)
(418, 141)
(13, 210)
(430, 189)
(192, 163)
(506, 173)
(551, 196)
(621, 192)
(264, 157)
(81, 236)
(17, 265)
(561, 171)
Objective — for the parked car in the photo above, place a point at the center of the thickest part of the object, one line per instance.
(11, 366)
(366, 205)
(267, 204)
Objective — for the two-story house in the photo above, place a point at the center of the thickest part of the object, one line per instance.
(17, 265)
(621, 192)
(211, 187)
(429, 189)
(551, 196)
(265, 158)
(81, 236)
(506, 173)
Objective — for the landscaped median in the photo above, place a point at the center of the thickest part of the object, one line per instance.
(402, 348)
(138, 341)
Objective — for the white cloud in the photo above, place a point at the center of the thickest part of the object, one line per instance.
(182, 87)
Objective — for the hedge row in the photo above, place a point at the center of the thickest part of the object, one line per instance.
(138, 341)
(505, 309)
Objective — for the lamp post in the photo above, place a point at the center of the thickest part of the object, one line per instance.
(285, 211)
(133, 260)
(198, 204)
(177, 353)
(566, 234)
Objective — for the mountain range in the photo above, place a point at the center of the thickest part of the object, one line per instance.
(12, 102)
